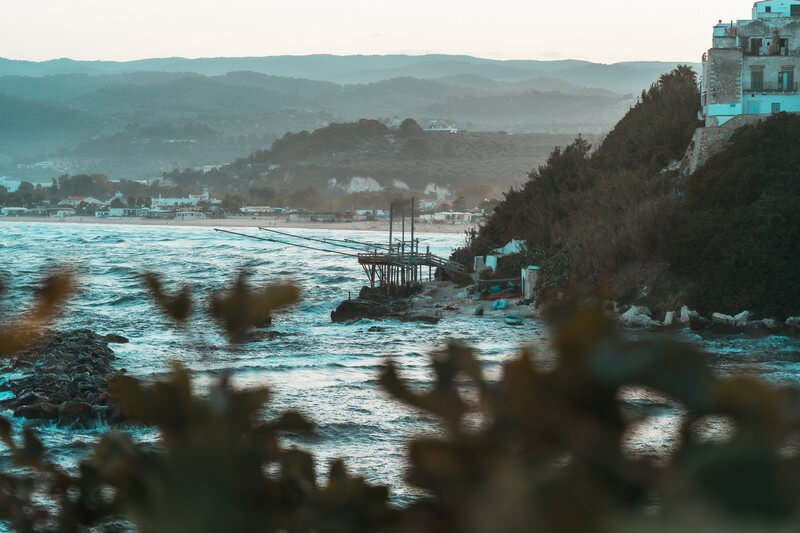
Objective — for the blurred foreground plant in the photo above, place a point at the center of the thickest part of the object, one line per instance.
(19, 332)
(537, 449)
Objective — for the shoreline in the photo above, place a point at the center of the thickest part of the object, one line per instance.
(249, 222)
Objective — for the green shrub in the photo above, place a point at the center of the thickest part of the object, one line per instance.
(737, 245)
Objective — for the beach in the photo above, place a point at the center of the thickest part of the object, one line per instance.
(251, 222)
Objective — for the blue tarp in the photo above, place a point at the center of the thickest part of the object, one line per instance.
(500, 304)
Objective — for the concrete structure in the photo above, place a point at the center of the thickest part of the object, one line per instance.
(189, 215)
(530, 279)
(448, 217)
(13, 211)
(752, 66)
(118, 212)
(193, 200)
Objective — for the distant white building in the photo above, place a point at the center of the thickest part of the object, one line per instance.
(193, 200)
(189, 215)
(445, 217)
(438, 127)
(13, 211)
(123, 212)
(75, 201)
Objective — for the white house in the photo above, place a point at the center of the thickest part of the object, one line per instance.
(189, 215)
(193, 200)
(75, 201)
(751, 68)
(445, 217)
(13, 211)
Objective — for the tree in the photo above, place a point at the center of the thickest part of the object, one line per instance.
(410, 128)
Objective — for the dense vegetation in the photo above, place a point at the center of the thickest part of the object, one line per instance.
(738, 240)
(535, 449)
(724, 241)
(591, 217)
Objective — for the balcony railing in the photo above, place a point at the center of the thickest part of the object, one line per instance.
(791, 88)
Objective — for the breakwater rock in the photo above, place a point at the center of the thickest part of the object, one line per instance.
(374, 304)
(65, 378)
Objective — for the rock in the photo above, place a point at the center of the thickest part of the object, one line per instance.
(374, 304)
(743, 318)
(697, 322)
(638, 316)
(687, 315)
(720, 319)
(669, 319)
(428, 318)
(71, 370)
(376, 329)
(770, 324)
(793, 322)
(80, 413)
(479, 311)
(40, 409)
(112, 338)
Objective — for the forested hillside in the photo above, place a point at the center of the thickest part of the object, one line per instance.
(362, 163)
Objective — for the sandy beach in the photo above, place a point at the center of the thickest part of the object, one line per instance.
(250, 222)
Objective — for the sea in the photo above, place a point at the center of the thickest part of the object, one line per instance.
(327, 371)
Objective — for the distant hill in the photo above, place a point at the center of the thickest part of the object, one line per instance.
(624, 77)
(251, 102)
(329, 158)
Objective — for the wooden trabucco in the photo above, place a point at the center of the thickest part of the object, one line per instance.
(403, 266)
(400, 263)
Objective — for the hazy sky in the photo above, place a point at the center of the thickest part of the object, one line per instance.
(605, 31)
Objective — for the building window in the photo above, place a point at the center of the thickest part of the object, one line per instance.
(776, 107)
(756, 80)
(768, 9)
(755, 46)
(786, 80)
(795, 10)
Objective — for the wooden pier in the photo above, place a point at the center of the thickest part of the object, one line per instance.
(393, 266)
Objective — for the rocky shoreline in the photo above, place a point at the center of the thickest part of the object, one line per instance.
(742, 323)
(65, 378)
(375, 304)
(429, 302)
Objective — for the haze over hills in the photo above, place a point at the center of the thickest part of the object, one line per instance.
(74, 110)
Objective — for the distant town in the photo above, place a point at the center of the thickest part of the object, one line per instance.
(23, 199)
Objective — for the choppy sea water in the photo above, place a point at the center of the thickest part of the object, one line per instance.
(329, 371)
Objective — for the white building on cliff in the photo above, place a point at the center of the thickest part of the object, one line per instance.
(752, 66)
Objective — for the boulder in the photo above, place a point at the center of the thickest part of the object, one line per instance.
(743, 318)
(698, 323)
(669, 319)
(479, 311)
(793, 322)
(112, 338)
(687, 315)
(770, 324)
(376, 329)
(638, 316)
(80, 413)
(38, 410)
(720, 319)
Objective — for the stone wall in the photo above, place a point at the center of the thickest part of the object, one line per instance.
(710, 140)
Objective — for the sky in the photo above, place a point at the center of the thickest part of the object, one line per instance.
(603, 31)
